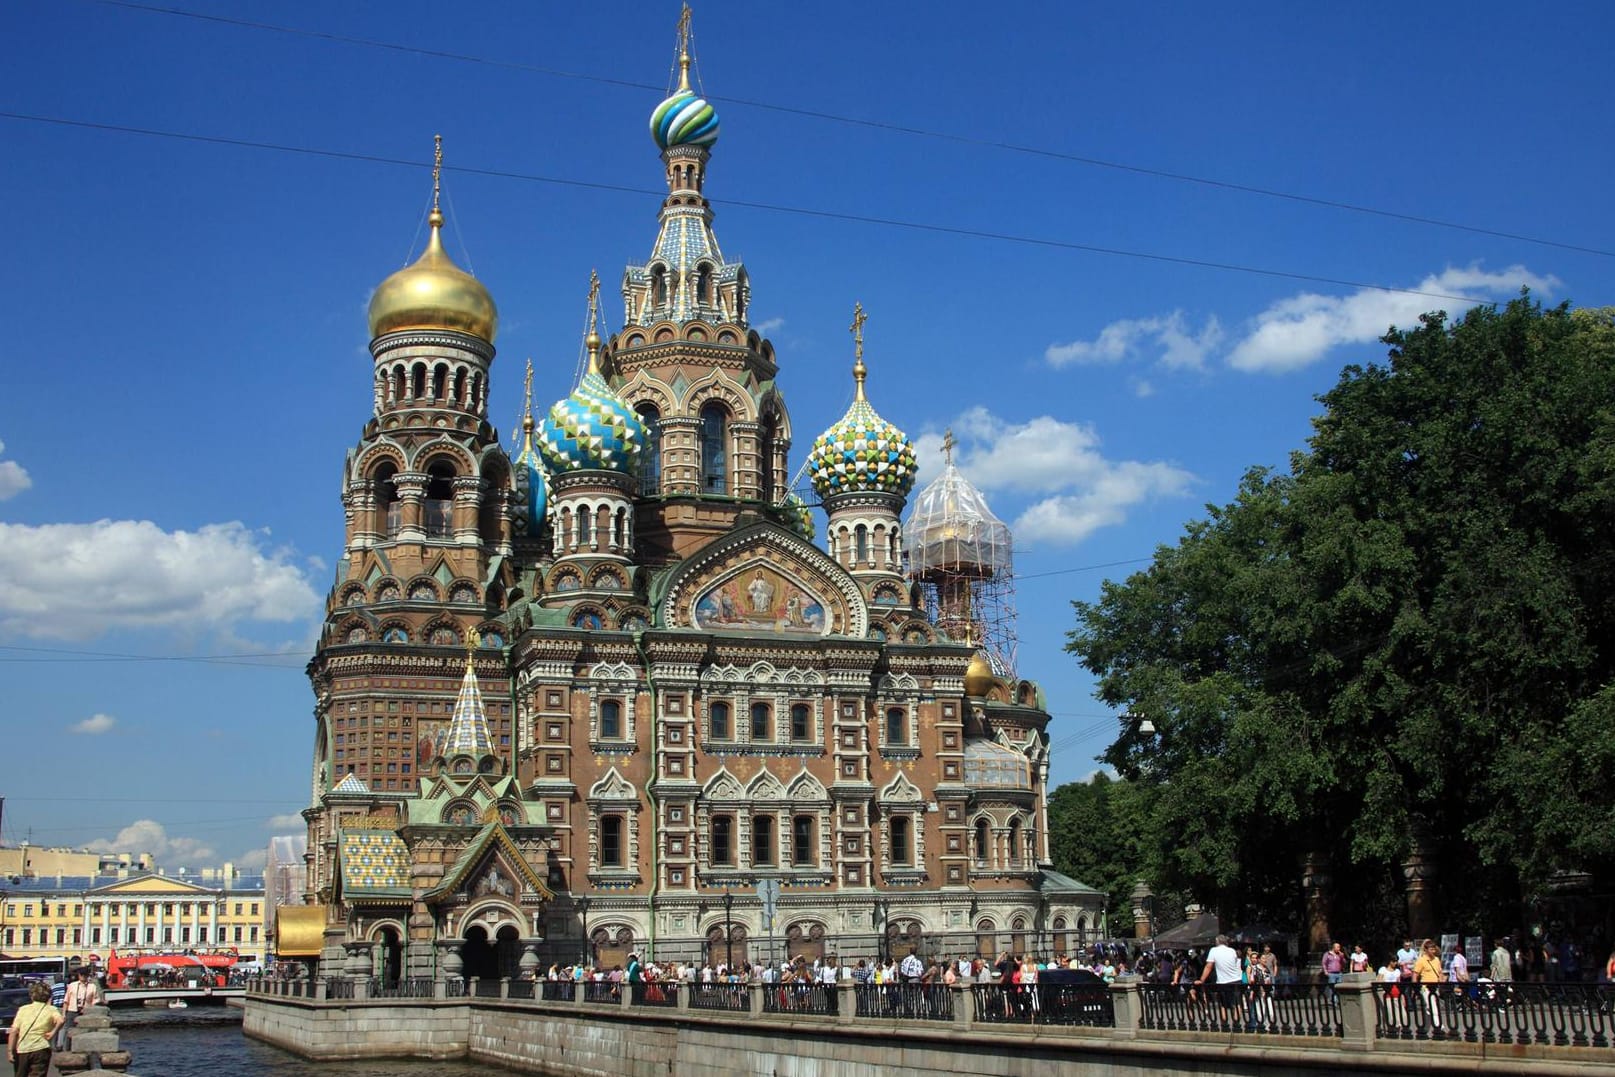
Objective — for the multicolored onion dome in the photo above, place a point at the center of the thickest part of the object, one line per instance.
(538, 489)
(862, 453)
(684, 120)
(433, 293)
(591, 430)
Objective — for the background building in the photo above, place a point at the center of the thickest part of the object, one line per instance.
(604, 696)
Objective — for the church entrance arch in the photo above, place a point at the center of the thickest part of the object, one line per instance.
(612, 947)
(721, 945)
(392, 957)
(477, 955)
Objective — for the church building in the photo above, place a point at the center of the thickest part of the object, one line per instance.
(612, 694)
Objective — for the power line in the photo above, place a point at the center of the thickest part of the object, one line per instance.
(770, 207)
(878, 125)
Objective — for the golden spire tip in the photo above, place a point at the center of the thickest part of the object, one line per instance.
(437, 180)
(947, 445)
(527, 408)
(592, 341)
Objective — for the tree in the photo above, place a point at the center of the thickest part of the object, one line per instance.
(1403, 647)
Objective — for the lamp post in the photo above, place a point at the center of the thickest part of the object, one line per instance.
(583, 906)
(883, 911)
(729, 927)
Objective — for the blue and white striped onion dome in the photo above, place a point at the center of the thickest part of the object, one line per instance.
(862, 453)
(684, 120)
(591, 430)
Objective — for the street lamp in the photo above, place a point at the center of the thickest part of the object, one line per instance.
(729, 927)
(583, 905)
(883, 911)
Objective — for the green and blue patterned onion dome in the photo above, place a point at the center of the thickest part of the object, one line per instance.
(684, 120)
(860, 454)
(798, 517)
(591, 430)
(538, 493)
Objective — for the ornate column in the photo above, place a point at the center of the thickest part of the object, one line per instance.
(1142, 901)
(449, 963)
(1315, 884)
(411, 487)
(468, 494)
(528, 963)
(1418, 872)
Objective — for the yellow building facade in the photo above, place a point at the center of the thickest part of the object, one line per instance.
(86, 919)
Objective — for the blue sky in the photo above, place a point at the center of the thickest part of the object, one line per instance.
(185, 353)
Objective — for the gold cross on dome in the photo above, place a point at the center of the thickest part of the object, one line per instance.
(947, 438)
(684, 49)
(437, 170)
(594, 298)
(857, 329)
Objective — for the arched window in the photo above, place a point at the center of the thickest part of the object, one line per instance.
(761, 722)
(896, 726)
(762, 839)
(1015, 844)
(610, 720)
(718, 721)
(585, 525)
(902, 841)
(714, 449)
(658, 285)
(418, 381)
(981, 842)
(611, 841)
(860, 544)
(723, 848)
(437, 513)
(650, 462)
(802, 850)
(389, 512)
(801, 722)
(703, 284)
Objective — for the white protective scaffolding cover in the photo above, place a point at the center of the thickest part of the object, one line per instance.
(951, 531)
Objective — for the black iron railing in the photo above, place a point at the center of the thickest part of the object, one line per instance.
(559, 991)
(1555, 1015)
(908, 1001)
(799, 998)
(734, 998)
(1044, 1004)
(654, 994)
(1281, 1009)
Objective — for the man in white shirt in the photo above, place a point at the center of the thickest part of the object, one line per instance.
(912, 968)
(82, 993)
(1222, 961)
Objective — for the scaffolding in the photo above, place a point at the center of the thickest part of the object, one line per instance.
(962, 557)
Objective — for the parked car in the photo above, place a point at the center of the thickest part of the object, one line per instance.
(12, 999)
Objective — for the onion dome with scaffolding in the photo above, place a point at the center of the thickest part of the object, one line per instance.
(962, 556)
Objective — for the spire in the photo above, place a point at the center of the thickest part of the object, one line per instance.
(468, 730)
(947, 435)
(527, 413)
(529, 463)
(436, 218)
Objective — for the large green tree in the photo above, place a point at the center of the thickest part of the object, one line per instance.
(1403, 645)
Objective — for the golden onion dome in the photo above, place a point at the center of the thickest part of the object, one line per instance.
(978, 676)
(433, 293)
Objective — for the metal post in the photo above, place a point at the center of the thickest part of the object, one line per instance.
(583, 904)
(729, 927)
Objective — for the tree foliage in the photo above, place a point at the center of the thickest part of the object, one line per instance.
(1404, 642)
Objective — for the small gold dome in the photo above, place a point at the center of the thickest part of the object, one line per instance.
(978, 676)
(434, 293)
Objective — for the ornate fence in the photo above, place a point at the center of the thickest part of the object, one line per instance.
(1280, 1010)
(1549, 1015)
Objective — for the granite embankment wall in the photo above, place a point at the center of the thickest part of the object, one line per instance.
(611, 1041)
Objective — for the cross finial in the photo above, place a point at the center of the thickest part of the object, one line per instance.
(947, 437)
(473, 640)
(684, 49)
(527, 399)
(437, 171)
(857, 328)
(592, 340)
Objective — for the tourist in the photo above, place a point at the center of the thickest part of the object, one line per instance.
(1261, 992)
(1502, 964)
(1427, 974)
(33, 1026)
(1222, 962)
(1458, 966)
(1406, 957)
(1359, 959)
(1333, 964)
(81, 994)
(1390, 974)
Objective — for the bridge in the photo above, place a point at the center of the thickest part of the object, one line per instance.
(191, 996)
(913, 1029)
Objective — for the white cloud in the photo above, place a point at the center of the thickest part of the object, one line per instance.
(13, 478)
(253, 859)
(76, 581)
(1075, 489)
(1167, 340)
(769, 326)
(286, 821)
(1299, 330)
(95, 725)
(150, 836)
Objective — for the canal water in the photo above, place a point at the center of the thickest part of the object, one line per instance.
(208, 1042)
